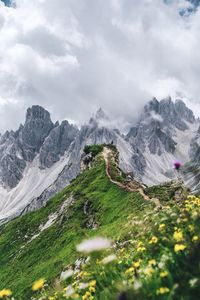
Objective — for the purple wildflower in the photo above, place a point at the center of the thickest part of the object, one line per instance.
(177, 165)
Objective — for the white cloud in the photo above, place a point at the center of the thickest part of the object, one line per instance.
(73, 56)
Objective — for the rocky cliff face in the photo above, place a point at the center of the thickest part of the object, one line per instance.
(41, 158)
(57, 143)
(18, 148)
(12, 163)
(164, 133)
(157, 125)
(195, 147)
(37, 127)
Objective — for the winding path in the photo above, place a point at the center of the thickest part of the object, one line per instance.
(108, 153)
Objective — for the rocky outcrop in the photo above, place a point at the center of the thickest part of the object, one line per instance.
(18, 148)
(12, 163)
(57, 143)
(38, 136)
(37, 127)
(155, 128)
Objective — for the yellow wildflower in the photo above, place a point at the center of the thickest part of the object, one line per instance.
(179, 247)
(149, 271)
(140, 244)
(163, 274)
(195, 215)
(130, 270)
(5, 293)
(162, 290)
(136, 264)
(83, 274)
(75, 296)
(86, 274)
(86, 296)
(152, 262)
(38, 284)
(195, 238)
(92, 289)
(178, 236)
(191, 227)
(162, 226)
(141, 249)
(92, 283)
(153, 240)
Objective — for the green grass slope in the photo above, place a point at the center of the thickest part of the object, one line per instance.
(155, 251)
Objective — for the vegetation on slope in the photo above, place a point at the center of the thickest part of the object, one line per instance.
(93, 149)
(154, 255)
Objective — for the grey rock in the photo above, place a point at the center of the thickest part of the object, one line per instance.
(195, 148)
(37, 126)
(57, 143)
(18, 148)
(151, 129)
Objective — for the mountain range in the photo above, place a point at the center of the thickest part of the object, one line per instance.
(40, 158)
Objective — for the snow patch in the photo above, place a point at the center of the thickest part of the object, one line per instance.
(33, 183)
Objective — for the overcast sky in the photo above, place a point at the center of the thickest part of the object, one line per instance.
(74, 56)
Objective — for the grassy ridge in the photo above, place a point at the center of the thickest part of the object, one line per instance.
(155, 253)
(47, 255)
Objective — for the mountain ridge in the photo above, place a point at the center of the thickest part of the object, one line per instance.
(41, 158)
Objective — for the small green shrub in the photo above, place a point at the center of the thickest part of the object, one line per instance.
(93, 149)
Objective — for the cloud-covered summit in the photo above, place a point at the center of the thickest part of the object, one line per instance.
(80, 55)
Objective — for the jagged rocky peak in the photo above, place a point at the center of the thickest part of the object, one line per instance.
(101, 115)
(158, 124)
(175, 113)
(38, 118)
(37, 112)
(37, 126)
(152, 105)
(57, 143)
(18, 147)
(100, 118)
(168, 113)
(184, 111)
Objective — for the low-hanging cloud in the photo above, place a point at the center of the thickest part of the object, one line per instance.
(74, 56)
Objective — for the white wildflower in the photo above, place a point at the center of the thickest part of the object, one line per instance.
(161, 265)
(83, 285)
(109, 259)
(94, 244)
(193, 282)
(165, 258)
(66, 274)
(137, 285)
(70, 290)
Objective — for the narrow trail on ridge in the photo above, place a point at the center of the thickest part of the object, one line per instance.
(131, 186)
